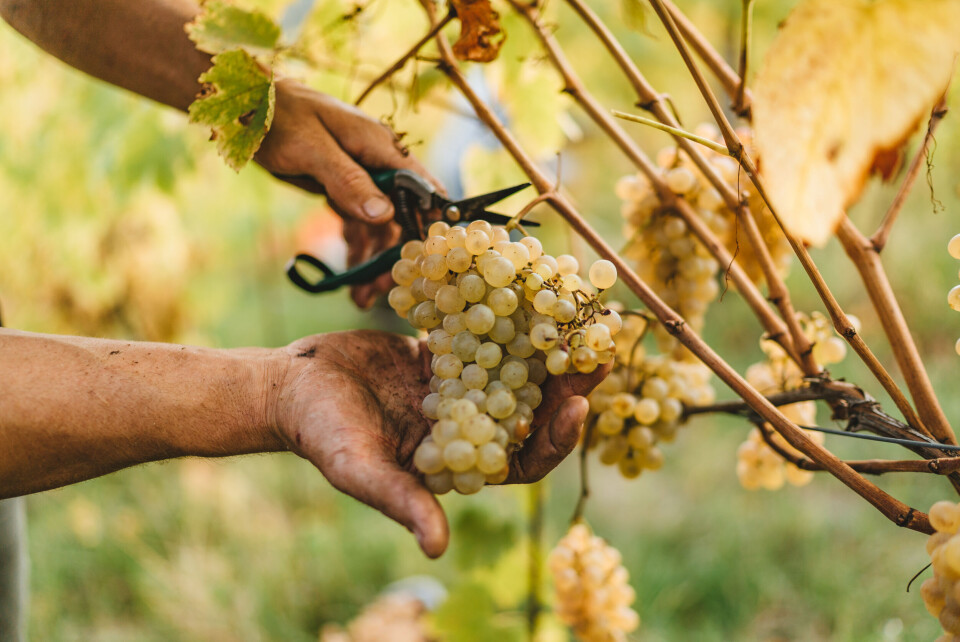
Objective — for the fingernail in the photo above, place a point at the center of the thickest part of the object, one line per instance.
(376, 207)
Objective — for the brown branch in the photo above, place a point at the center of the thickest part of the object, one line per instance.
(774, 327)
(649, 99)
(399, 64)
(879, 238)
(895, 510)
(746, 24)
(714, 61)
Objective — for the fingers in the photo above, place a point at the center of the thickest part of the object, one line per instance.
(398, 494)
(549, 445)
(556, 389)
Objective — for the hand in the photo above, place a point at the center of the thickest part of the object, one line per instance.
(351, 405)
(323, 145)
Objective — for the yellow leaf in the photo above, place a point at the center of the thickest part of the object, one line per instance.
(845, 83)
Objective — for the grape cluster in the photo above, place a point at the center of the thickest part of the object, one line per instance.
(593, 595)
(501, 317)
(953, 296)
(759, 465)
(641, 402)
(941, 593)
(667, 254)
(396, 617)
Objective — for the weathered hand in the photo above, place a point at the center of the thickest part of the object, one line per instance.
(351, 405)
(322, 145)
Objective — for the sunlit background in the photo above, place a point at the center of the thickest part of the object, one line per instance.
(117, 219)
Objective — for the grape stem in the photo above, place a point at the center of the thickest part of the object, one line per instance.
(879, 238)
(746, 26)
(584, 478)
(402, 60)
(656, 124)
(895, 510)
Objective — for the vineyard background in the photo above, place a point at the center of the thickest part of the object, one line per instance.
(119, 220)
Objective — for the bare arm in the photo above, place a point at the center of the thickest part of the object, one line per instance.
(74, 408)
(140, 46)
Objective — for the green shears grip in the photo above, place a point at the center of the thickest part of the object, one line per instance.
(363, 273)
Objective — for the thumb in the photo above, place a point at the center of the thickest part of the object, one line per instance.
(399, 495)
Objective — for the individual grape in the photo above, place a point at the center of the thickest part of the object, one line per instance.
(514, 374)
(458, 259)
(956, 347)
(478, 397)
(498, 271)
(434, 267)
(953, 297)
(830, 350)
(598, 337)
(404, 272)
(557, 361)
(449, 299)
(462, 409)
(464, 346)
(456, 236)
(491, 458)
(459, 455)
(477, 242)
(474, 377)
(945, 517)
(953, 247)
(502, 301)
(520, 346)
(411, 250)
(440, 483)
(473, 288)
(564, 311)
(603, 274)
(488, 355)
(503, 330)
(584, 359)
(544, 336)
(544, 301)
(469, 482)
(452, 388)
(479, 429)
(480, 319)
(401, 299)
(439, 341)
(430, 403)
(572, 283)
(647, 411)
(566, 264)
(501, 404)
(428, 458)
(529, 394)
(439, 228)
(518, 254)
(537, 370)
(448, 365)
(454, 323)
(680, 180)
(445, 431)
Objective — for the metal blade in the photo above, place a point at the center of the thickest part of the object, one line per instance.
(472, 207)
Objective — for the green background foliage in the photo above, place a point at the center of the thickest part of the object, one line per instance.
(117, 219)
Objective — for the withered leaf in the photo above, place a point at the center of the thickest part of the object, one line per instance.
(479, 31)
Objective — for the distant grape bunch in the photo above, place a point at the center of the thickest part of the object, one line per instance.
(953, 296)
(941, 593)
(640, 403)
(501, 317)
(593, 593)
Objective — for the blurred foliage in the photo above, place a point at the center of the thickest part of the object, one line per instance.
(119, 220)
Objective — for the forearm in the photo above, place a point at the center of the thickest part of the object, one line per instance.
(140, 45)
(74, 408)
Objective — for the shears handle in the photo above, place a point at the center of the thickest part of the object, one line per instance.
(363, 273)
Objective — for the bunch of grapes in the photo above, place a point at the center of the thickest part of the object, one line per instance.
(953, 297)
(941, 593)
(667, 254)
(641, 402)
(396, 617)
(593, 595)
(501, 316)
(759, 465)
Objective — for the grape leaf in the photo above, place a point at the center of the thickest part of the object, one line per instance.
(842, 87)
(222, 26)
(479, 28)
(237, 102)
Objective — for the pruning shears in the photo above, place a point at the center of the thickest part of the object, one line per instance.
(413, 199)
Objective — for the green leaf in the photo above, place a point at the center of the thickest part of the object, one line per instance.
(635, 15)
(222, 26)
(237, 102)
(469, 614)
(481, 537)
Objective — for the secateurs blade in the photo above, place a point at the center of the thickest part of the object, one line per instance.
(416, 203)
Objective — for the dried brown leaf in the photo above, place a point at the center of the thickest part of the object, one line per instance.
(479, 28)
(842, 88)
